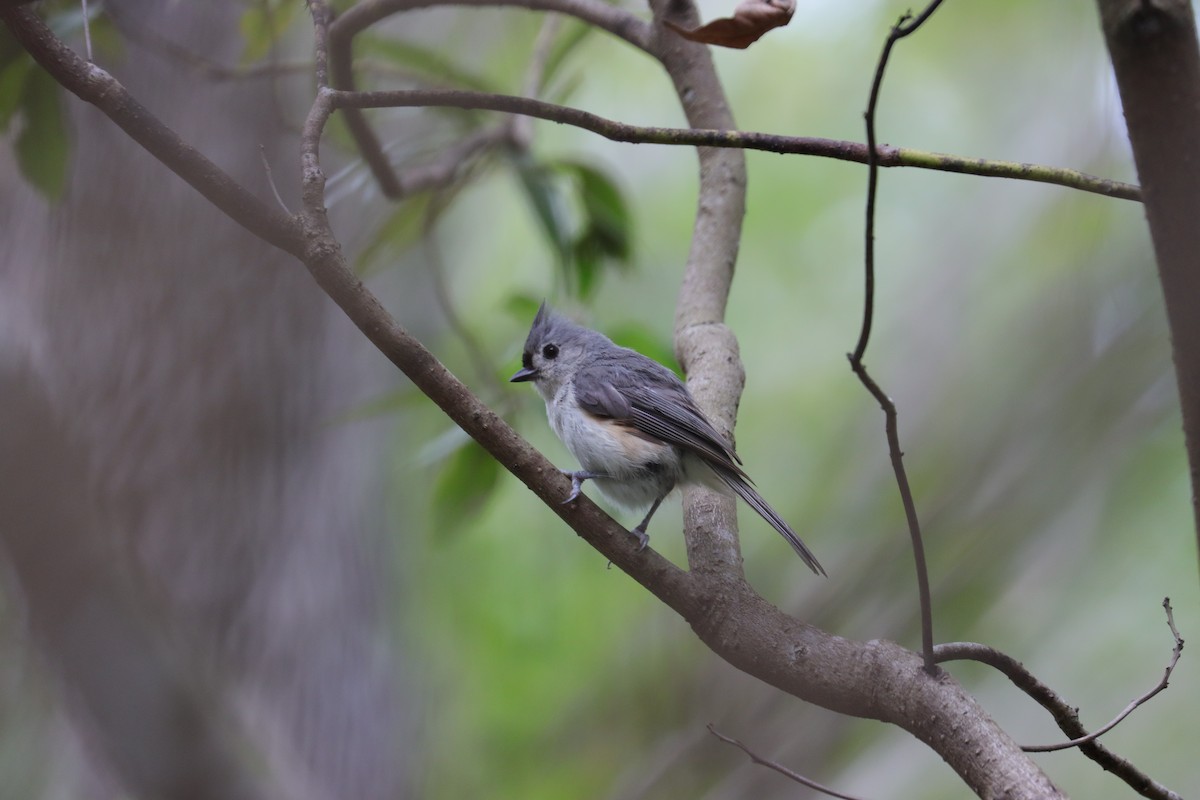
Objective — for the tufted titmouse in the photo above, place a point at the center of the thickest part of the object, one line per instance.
(632, 424)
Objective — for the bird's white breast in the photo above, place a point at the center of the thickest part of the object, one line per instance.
(608, 448)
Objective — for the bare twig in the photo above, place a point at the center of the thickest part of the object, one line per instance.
(875, 679)
(357, 18)
(1176, 652)
(1066, 716)
(262, 152)
(606, 16)
(87, 31)
(782, 770)
(886, 155)
(901, 29)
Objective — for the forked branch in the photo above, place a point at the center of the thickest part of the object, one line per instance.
(903, 28)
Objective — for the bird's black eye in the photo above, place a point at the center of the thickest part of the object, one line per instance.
(550, 351)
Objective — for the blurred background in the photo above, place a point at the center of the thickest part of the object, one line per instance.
(242, 553)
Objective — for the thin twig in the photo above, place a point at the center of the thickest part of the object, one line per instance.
(886, 155)
(609, 17)
(1176, 652)
(87, 31)
(1065, 715)
(782, 770)
(262, 152)
(875, 680)
(901, 29)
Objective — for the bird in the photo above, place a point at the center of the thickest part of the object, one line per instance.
(632, 424)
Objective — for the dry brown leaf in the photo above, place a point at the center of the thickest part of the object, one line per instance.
(750, 21)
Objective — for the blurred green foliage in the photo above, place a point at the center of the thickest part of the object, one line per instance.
(1019, 330)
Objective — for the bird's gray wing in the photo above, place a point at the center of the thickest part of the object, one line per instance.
(649, 399)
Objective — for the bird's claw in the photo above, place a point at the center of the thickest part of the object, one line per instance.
(576, 487)
(642, 537)
(577, 479)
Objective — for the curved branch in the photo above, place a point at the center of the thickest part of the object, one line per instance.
(616, 21)
(705, 347)
(877, 680)
(903, 28)
(1065, 715)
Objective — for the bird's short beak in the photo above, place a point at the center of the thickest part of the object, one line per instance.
(523, 374)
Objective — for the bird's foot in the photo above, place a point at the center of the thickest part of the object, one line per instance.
(643, 538)
(577, 479)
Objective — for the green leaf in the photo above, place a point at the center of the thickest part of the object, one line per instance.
(608, 219)
(604, 237)
(545, 195)
(463, 487)
(262, 25)
(43, 145)
(12, 88)
(10, 49)
(588, 262)
(583, 216)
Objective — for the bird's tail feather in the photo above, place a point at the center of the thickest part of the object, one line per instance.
(745, 491)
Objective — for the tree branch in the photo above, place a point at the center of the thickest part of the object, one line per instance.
(782, 770)
(1157, 65)
(877, 680)
(361, 16)
(903, 28)
(1176, 652)
(1066, 716)
(887, 155)
(705, 347)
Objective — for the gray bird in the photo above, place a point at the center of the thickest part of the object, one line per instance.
(632, 424)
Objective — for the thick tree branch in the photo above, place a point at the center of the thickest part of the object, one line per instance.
(876, 680)
(705, 347)
(1157, 65)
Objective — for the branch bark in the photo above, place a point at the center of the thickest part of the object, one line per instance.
(1157, 64)
(878, 680)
